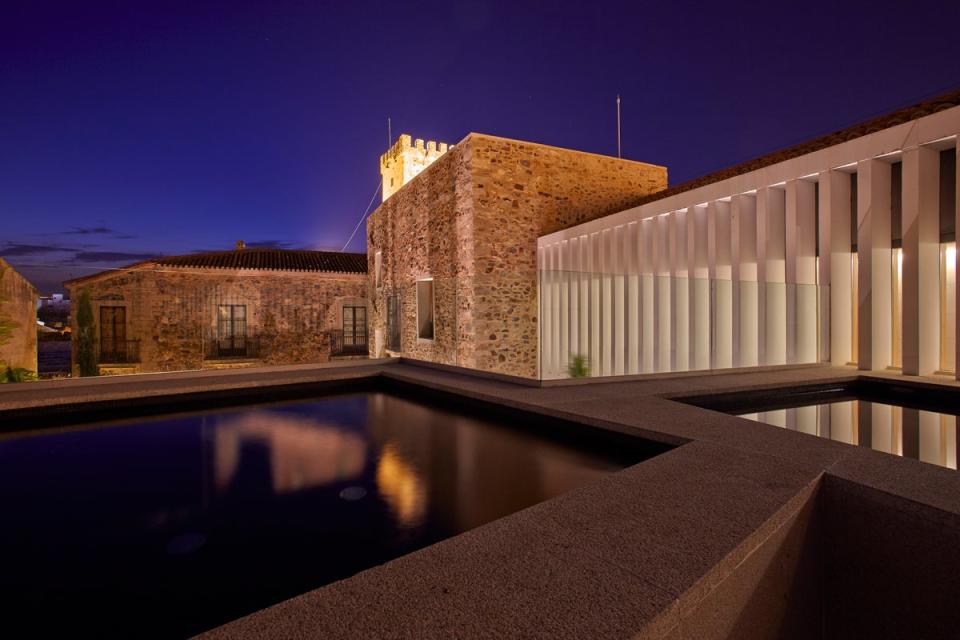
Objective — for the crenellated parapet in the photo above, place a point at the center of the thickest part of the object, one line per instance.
(407, 158)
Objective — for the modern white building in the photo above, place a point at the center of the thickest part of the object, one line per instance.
(840, 250)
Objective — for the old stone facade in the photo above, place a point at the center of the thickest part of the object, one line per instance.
(470, 222)
(405, 160)
(18, 320)
(175, 315)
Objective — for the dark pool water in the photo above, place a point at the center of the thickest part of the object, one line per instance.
(170, 526)
(928, 436)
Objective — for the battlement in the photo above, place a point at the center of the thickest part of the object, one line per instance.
(407, 158)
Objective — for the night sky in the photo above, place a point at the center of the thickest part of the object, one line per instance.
(130, 129)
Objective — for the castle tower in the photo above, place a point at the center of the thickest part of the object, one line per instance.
(405, 159)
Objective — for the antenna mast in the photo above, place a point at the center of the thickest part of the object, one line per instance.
(618, 126)
(389, 133)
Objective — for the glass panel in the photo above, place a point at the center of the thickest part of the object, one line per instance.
(948, 306)
(896, 314)
(425, 309)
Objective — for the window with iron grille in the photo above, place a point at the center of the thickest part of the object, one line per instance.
(393, 322)
(232, 329)
(113, 334)
(354, 329)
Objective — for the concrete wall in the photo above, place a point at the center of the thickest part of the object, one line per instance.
(18, 314)
(471, 222)
(172, 311)
(788, 281)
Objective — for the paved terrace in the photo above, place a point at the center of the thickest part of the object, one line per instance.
(744, 530)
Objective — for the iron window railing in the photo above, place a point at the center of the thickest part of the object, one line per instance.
(112, 351)
(356, 347)
(232, 346)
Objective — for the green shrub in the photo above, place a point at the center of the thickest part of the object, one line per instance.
(19, 374)
(579, 367)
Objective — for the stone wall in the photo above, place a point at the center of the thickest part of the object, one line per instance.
(18, 320)
(172, 312)
(471, 221)
(420, 232)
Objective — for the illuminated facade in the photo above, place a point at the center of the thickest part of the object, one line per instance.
(840, 250)
(453, 253)
(405, 160)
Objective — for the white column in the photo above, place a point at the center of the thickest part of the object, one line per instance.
(680, 284)
(595, 280)
(574, 276)
(584, 320)
(630, 247)
(921, 261)
(607, 308)
(564, 328)
(873, 248)
(546, 278)
(698, 273)
(801, 272)
(647, 233)
(662, 302)
(718, 246)
(835, 258)
(744, 229)
(771, 275)
(544, 364)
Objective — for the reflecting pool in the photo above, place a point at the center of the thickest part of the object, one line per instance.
(928, 436)
(169, 526)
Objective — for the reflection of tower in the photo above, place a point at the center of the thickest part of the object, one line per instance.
(468, 471)
(405, 159)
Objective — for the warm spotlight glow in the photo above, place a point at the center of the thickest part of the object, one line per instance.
(401, 487)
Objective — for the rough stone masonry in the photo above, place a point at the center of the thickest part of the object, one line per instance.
(470, 221)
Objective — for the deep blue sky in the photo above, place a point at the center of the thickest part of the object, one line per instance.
(133, 128)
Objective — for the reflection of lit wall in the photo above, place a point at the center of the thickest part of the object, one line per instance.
(878, 207)
(303, 452)
(401, 487)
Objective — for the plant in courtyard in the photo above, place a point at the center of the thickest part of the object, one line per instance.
(579, 367)
(16, 375)
(86, 355)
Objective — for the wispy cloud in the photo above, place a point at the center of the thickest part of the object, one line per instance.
(269, 244)
(86, 231)
(111, 256)
(16, 249)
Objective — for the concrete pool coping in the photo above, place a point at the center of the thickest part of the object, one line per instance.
(670, 548)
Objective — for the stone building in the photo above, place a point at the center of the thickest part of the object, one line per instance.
(226, 309)
(18, 320)
(453, 252)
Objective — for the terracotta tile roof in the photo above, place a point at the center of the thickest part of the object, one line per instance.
(945, 101)
(271, 259)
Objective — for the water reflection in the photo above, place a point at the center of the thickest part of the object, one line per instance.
(463, 471)
(254, 505)
(401, 486)
(912, 433)
(302, 452)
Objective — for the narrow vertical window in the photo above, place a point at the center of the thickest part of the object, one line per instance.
(425, 309)
(231, 330)
(393, 322)
(378, 268)
(113, 334)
